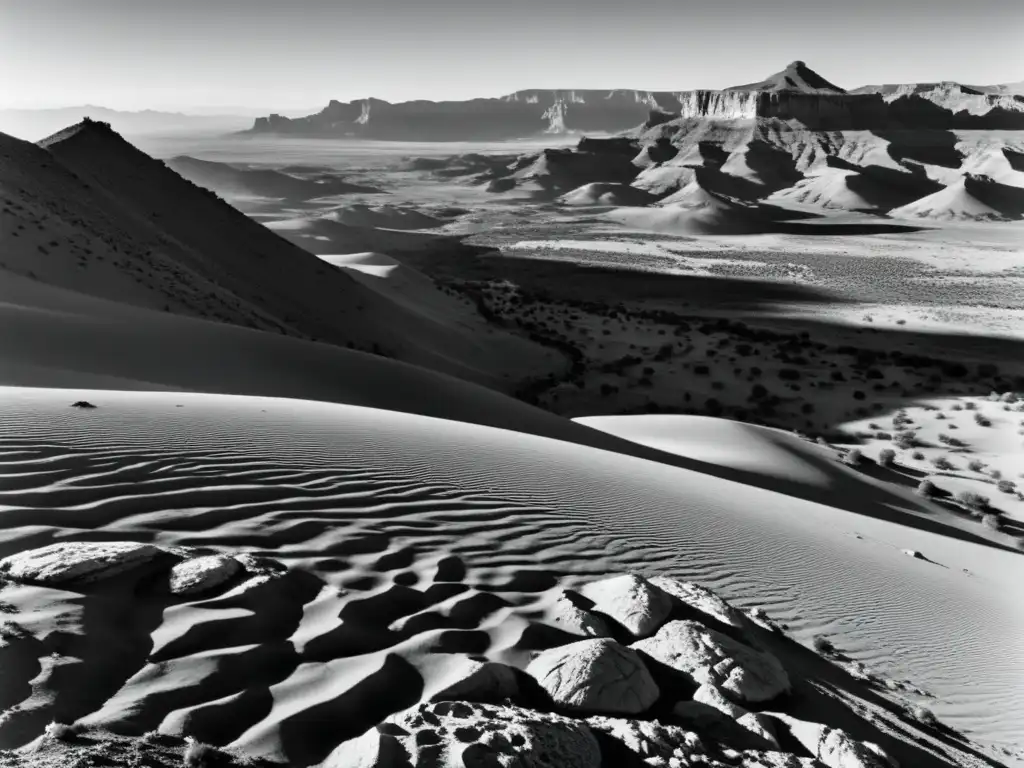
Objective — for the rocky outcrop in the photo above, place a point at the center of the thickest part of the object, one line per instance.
(76, 561)
(702, 599)
(835, 747)
(709, 657)
(654, 743)
(458, 733)
(597, 675)
(199, 574)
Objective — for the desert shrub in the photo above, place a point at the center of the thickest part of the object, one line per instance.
(970, 405)
(853, 457)
(859, 395)
(940, 415)
(991, 521)
(1008, 397)
(941, 462)
(60, 731)
(886, 457)
(883, 436)
(995, 474)
(924, 715)
(1006, 486)
(917, 455)
(905, 440)
(926, 488)
(982, 421)
(823, 645)
(971, 500)
(196, 753)
(975, 465)
(957, 407)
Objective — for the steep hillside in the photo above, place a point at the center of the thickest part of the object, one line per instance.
(98, 216)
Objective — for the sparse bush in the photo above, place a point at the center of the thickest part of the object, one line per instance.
(957, 407)
(975, 465)
(924, 715)
(823, 645)
(196, 753)
(940, 415)
(886, 457)
(982, 421)
(973, 501)
(970, 405)
(853, 457)
(995, 474)
(60, 731)
(941, 462)
(926, 488)
(917, 455)
(1006, 486)
(991, 521)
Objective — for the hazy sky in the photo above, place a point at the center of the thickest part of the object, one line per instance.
(288, 54)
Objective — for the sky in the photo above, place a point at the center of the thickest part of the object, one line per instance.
(288, 55)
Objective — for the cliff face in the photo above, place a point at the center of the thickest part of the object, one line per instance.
(796, 95)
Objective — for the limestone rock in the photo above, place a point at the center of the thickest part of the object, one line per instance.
(707, 656)
(654, 743)
(701, 599)
(198, 574)
(573, 619)
(76, 561)
(834, 747)
(631, 601)
(471, 735)
(597, 675)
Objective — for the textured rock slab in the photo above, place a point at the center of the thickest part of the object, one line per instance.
(834, 747)
(654, 743)
(707, 656)
(474, 736)
(199, 574)
(631, 601)
(597, 675)
(701, 599)
(76, 561)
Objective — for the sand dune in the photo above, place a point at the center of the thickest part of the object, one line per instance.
(406, 537)
(971, 198)
(232, 182)
(382, 216)
(598, 193)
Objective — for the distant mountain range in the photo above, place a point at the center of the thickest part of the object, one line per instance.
(795, 93)
(33, 124)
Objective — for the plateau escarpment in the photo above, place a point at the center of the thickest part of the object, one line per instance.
(795, 95)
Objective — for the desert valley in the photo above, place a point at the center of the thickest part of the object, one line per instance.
(559, 429)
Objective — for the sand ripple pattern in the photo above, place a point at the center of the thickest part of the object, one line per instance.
(454, 532)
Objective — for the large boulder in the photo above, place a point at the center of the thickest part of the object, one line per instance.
(598, 675)
(199, 574)
(471, 735)
(835, 747)
(76, 561)
(631, 601)
(565, 614)
(654, 743)
(707, 656)
(701, 599)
